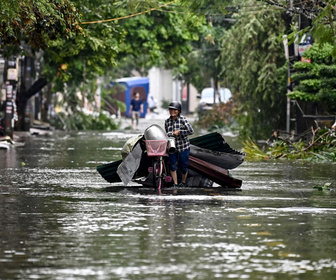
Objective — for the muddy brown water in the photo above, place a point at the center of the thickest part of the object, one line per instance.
(59, 219)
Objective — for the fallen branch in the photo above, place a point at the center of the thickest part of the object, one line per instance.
(313, 142)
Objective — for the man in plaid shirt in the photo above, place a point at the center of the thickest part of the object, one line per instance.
(178, 126)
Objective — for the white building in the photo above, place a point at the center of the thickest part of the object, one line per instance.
(164, 87)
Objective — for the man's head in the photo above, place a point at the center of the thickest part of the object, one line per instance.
(175, 105)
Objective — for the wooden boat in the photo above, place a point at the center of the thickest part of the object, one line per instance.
(210, 159)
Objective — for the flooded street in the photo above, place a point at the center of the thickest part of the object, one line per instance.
(59, 219)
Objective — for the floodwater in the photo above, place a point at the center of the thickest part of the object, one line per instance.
(59, 219)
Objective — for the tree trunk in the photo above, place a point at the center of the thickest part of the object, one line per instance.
(22, 98)
(47, 96)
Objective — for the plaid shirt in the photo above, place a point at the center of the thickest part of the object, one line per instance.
(181, 124)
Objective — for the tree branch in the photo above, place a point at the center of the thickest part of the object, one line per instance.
(36, 87)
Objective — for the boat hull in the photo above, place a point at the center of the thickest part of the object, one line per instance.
(221, 159)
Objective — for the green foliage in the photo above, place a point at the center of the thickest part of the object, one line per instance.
(328, 94)
(324, 27)
(161, 38)
(320, 54)
(299, 95)
(320, 148)
(203, 64)
(37, 22)
(156, 38)
(325, 187)
(254, 67)
(188, 34)
(82, 121)
(219, 117)
(316, 81)
(253, 151)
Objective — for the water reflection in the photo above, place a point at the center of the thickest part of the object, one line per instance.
(61, 220)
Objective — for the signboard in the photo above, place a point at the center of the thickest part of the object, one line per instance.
(12, 74)
(285, 43)
(305, 44)
(11, 63)
(306, 40)
(9, 110)
(9, 94)
(304, 59)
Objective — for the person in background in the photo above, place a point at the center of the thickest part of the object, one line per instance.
(179, 127)
(136, 108)
(151, 104)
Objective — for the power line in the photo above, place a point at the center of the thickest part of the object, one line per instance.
(133, 15)
(265, 3)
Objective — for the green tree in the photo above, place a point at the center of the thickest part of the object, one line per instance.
(202, 66)
(254, 65)
(315, 81)
(170, 36)
(36, 22)
(29, 26)
(112, 31)
(158, 35)
(321, 13)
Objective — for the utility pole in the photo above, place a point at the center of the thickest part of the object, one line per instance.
(2, 93)
(289, 75)
(290, 55)
(10, 81)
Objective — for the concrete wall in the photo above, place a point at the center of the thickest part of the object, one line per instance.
(193, 100)
(163, 86)
(160, 84)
